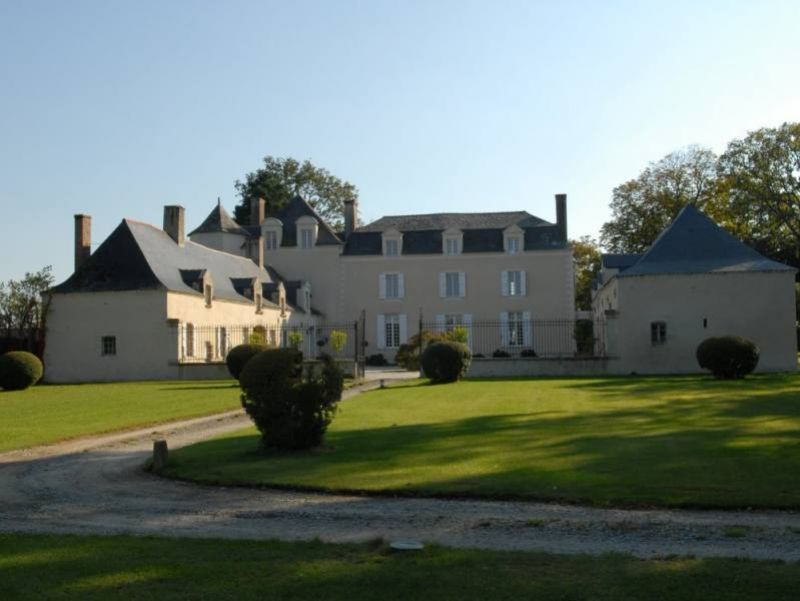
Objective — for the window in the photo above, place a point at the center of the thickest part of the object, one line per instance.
(451, 246)
(658, 332)
(108, 345)
(306, 238)
(392, 331)
(392, 285)
(392, 248)
(271, 240)
(516, 328)
(208, 292)
(452, 321)
(452, 284)
(515, 283)
(512, 245)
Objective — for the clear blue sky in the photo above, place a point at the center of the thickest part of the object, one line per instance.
(117, 108)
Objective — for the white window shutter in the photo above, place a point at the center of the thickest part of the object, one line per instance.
(403, 328)
(527, 339)
(442, 285)
(381, 337)
(440, 322)
(401, 286)
(462, 283)
(504, 283)
(504, 329)
(466, 320)
(382, 285)
(523, 287)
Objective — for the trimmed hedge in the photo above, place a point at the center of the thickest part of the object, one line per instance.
(728, 357)
(291, 411)
(446, 361)
(238, 357)
(19, 370)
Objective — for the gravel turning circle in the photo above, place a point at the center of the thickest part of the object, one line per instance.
(97, 486)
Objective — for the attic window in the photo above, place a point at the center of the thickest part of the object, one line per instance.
(306, 238)
(271, 240)
(392, 248)
(513, 245)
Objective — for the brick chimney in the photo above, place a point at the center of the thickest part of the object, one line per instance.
(83, 239)
(349, 217)
(561, 214)
(174, 217)
(258, 211)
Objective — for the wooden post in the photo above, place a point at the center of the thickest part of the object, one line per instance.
(160, 454)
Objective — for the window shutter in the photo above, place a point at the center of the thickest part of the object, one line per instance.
(504, 283)
(466, 319)
(462, 284)
(381, 332)
(217, 339)
(504, 329)
(523, 287)
(527, 339)
(401, 286)
(403, 328)
(382, 285)
(442, 285)
(440, 322)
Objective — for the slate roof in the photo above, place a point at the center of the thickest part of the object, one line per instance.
(482, 232)
(693, 243)
(138, 256)
(289, 215)
(619, 261)
(219, 220)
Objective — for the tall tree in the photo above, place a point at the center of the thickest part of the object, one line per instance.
(644, 206)
(759, 176)
(280, 179)
(22, 301)
(586, 254)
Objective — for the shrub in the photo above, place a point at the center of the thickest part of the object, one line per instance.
(446, 361)
(290, 411)
(238, 357)
(528, 353)
(338, 340)
(19, 370)
(376, 360)
(728, 357)
(501, 354)
(458, 334)
(407, 355)
(295, 339)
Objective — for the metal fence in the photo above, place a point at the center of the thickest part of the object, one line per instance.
(519, 337)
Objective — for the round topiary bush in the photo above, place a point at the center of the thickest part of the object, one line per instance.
(728, 357)
(292, 411)
(19, 370)
(446, 361)
(238, 357)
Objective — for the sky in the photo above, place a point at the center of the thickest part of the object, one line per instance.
(116, 109)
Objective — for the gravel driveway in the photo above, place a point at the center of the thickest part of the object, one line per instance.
(97, 486)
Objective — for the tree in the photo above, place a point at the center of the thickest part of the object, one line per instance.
(586, 253)
(644, 206)
(759, 176)
(280, 179)
(22, 301)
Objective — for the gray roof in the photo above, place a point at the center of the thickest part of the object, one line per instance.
(482, 232)
(138, 256)
(218, 220)
(288, 215)
(693, 243)
(619, 261)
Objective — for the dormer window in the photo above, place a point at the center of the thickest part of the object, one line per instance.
(306, 238)
(272, 233)
(307, 228)
(392, 248)
(392, 243)
(452, 242)
(270, 240)
(512, 245)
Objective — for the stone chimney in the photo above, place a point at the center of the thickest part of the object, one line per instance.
(83, 239)
(561, 214)
(349, 217)
(258, 211)
(258, 252)
(174, 217)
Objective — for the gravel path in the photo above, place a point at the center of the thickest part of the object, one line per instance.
(97, 486)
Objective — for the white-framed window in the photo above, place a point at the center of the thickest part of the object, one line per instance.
(392, 248)
(271, 240)
(451, 246)
(452, 321)
(391, 286)
(658, 332)
(513, 245)
(516, 329)
(108, 346)
(452, 284)
(306, 238)
(392, 331)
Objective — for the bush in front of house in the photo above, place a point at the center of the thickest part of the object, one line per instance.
(446, 361)
(292, 411)
(239, 355)
(528, 353)
(501, 354)
(19, 370)
(376, 360)
(728, 357)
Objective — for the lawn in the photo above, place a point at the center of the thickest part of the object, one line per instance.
(46, 414)
(678, 441)
(43, 567)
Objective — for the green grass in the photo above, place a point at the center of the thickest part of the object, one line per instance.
(42, 567)
(46, 414)
(681, 441)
